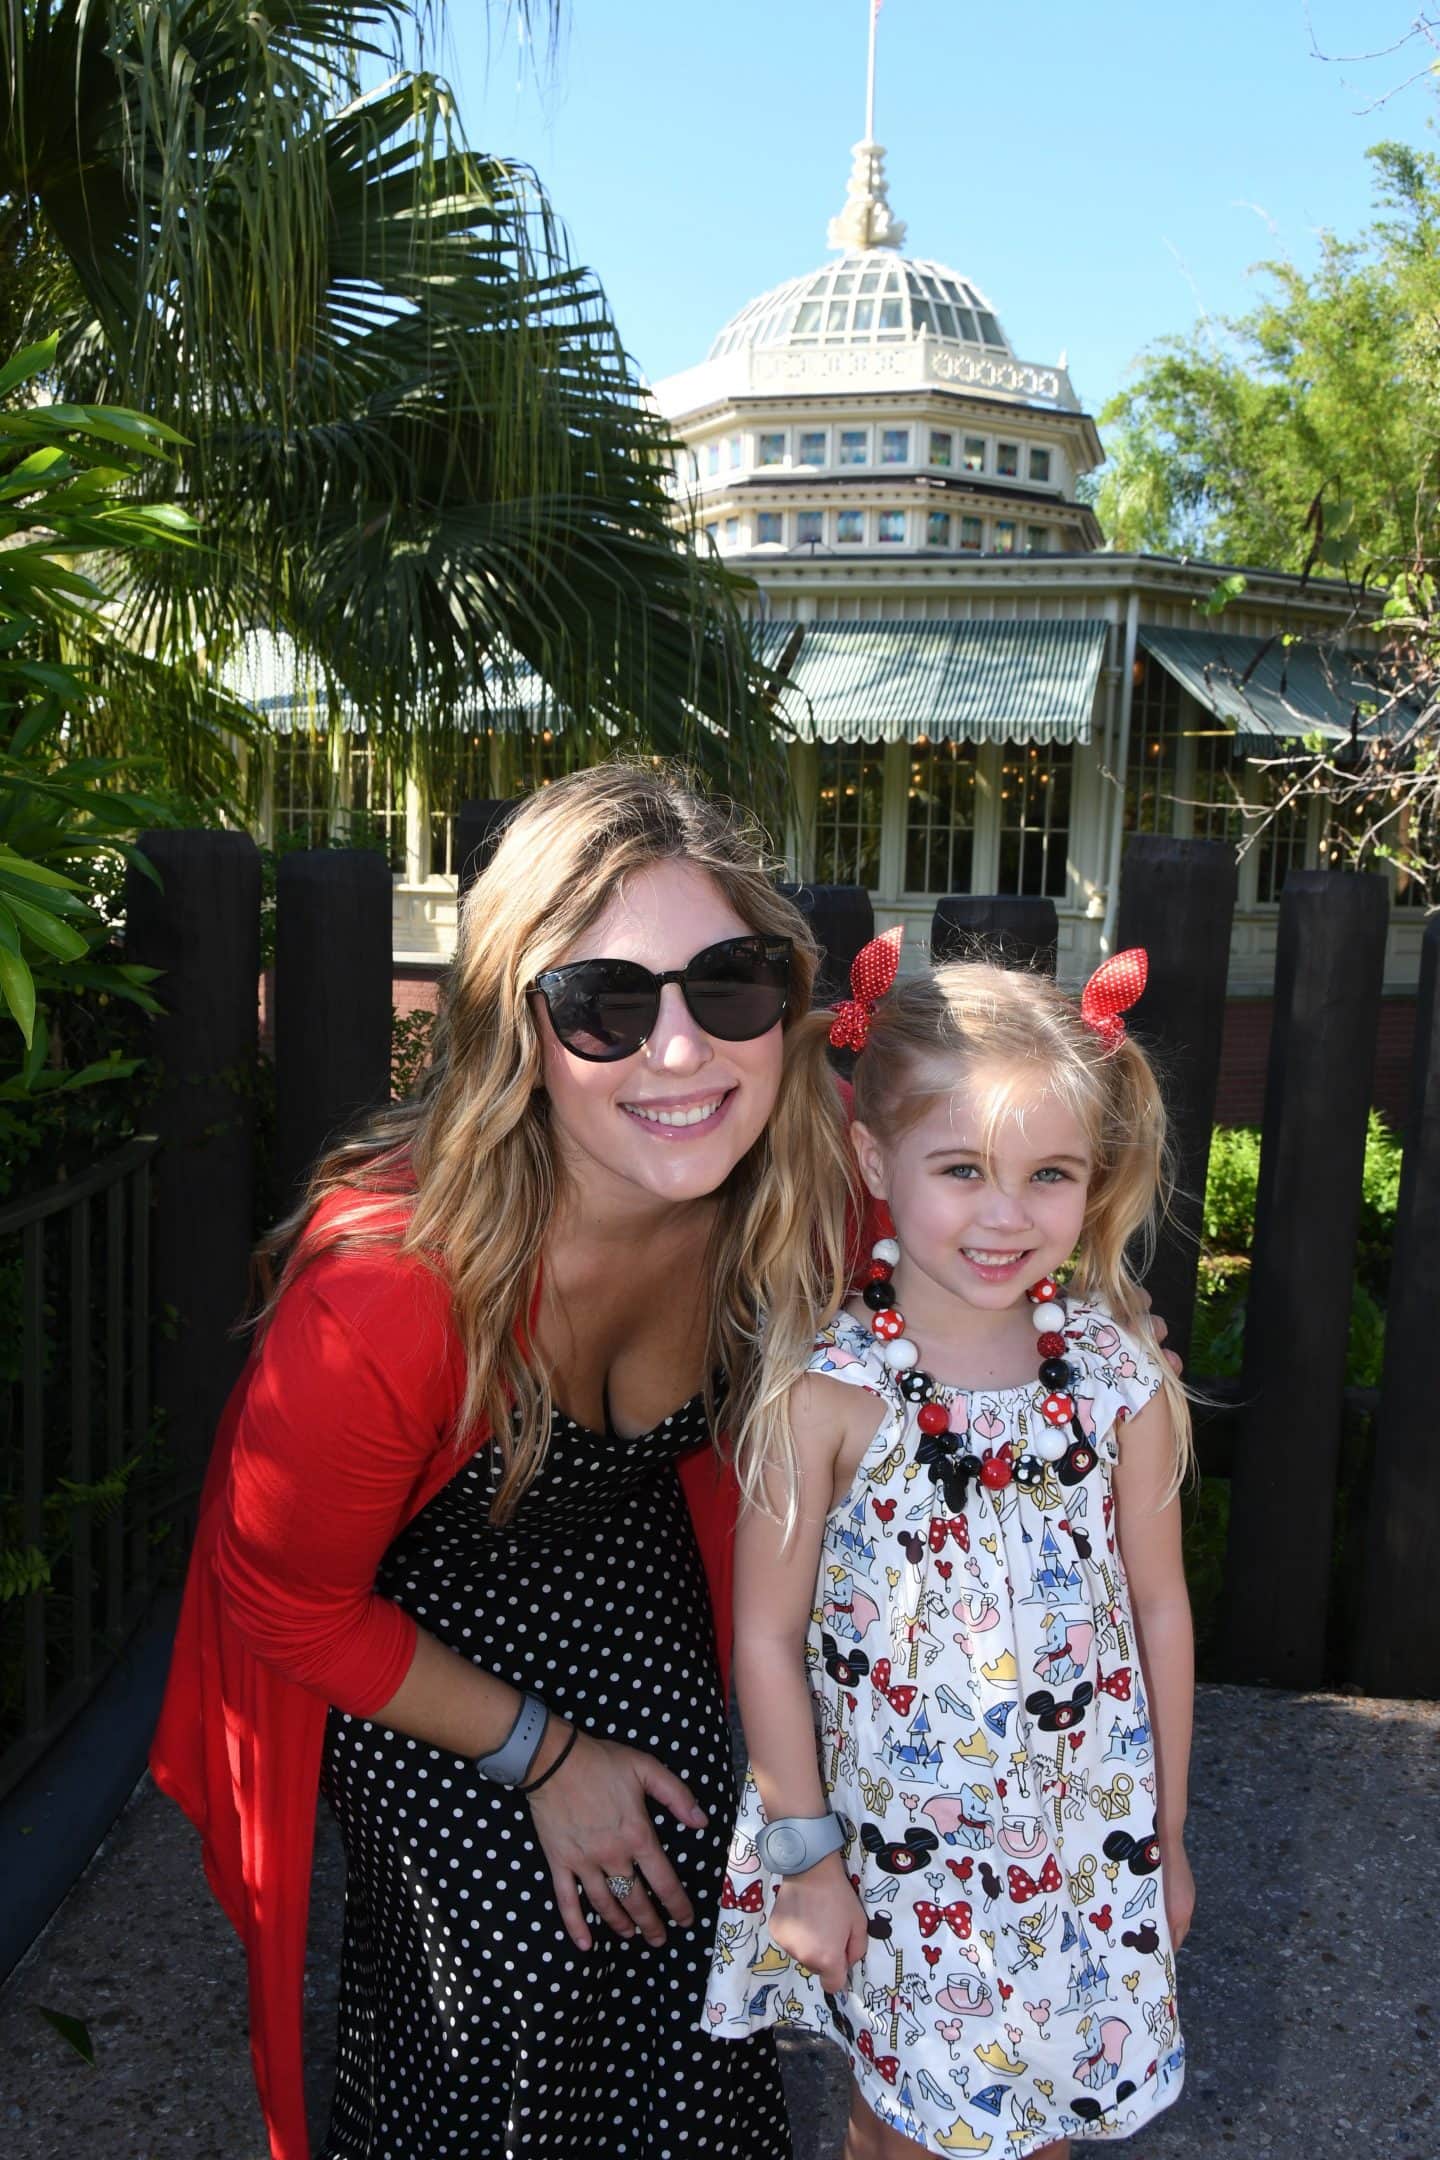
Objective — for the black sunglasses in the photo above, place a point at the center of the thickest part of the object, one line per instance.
(606, 1009)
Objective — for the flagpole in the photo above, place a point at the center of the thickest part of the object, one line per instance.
(870, 76)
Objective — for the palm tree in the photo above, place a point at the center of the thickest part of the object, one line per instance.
(414, 444)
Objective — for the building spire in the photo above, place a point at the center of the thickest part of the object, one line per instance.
(867, 220)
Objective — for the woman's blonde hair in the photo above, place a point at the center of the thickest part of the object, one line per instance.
(474, 1159)
(1018, 1036)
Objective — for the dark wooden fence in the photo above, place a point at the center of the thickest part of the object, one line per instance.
(1277, 1434)
(92, 1480)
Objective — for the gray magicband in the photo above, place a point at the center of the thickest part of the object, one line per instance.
(510, 1764)
(794, 1843)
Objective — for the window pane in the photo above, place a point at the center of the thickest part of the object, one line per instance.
(945, 321)
(712, 457)
(1039, 465)
(1218, 794)
(942, 448)
(1154, 749)
(937, 529)
(1005, 535)
(735, 447)
(895, 446)
(853, 446)
(891, 315)
(836, 313)
(1284, 844)
(974, 458)
(769, 528)
(972, 535)
(301, 789)
(849, 525)
(990, 329)
(732, 532)
(1007, 459)
(847, 821)
(870, 282)
(892, 525)
(770, 450)
(966, 321)
(808, 319)
(1035, 819)
(812, 447)
(940, 818)
(1037, 538)
(377, 804)
(864, 311)
(809, 527)
(463, 771)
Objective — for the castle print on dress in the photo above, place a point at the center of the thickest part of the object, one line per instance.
(1000, 1820)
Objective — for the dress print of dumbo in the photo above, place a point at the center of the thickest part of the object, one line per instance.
(983, 1734)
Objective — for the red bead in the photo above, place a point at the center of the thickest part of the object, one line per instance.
(995, 1473)
(889, 1324)
(1050, 1345)
(1043, 1292)
(933, 1418)
(1057, 1409)
(879, 1271)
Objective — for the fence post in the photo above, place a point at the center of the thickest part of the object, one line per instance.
(1328, 973)
(1008, 928)
(478, 826)
(333, 941)
(842, 919)
(202, 930)
(1399, 1639)
(1177, 898)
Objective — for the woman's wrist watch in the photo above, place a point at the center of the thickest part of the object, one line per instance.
(793, 1844)
(510, 1763)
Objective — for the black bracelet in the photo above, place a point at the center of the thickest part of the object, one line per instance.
(545, 1775)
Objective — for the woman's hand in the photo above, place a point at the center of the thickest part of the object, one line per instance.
(1179, 1891)
(592, 1822)
(819, 1921)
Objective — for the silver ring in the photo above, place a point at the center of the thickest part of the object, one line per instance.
(620, 1886)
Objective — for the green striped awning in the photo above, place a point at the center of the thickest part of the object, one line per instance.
(962, 681)
(1266, 690)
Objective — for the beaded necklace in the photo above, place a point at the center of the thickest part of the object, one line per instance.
(1061, 1440)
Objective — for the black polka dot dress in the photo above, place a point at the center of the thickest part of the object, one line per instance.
(469, 2023)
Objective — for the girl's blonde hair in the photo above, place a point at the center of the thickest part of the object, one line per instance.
(473, 1159)
(1016, 1035)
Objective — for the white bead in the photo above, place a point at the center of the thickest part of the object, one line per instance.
(1048, 1319)
(1051, 1444)
(901, 1354)
(887, 1251)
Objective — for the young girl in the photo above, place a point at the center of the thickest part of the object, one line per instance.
(963, 1645)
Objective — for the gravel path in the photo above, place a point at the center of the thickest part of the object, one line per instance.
(1310, 1987)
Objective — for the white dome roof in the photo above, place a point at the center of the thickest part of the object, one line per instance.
(871, 298)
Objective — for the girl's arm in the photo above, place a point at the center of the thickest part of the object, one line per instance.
(1147, 1522)
(816, 1917)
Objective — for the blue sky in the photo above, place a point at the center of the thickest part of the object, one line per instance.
(1105, 173)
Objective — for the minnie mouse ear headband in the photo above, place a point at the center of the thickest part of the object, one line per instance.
(1113, 988)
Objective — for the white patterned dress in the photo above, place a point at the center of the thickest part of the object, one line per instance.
(983, 1733)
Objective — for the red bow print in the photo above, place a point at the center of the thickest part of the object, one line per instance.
(943, 1526)
(750, 1899)
(899, 1698)
(876, 966)
(1024, 1887)
(1112, 990)
(1116, 1684)
(956, 1917)
(887, 2065)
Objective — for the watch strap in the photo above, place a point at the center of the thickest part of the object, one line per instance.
(793, 1844)
(509, 1764)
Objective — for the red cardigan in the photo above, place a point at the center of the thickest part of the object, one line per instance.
(337, 1434)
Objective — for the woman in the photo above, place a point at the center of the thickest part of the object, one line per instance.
(445, 1503)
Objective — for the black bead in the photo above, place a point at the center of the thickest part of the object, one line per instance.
(970, 1464)
(1056, 1372)
(879, 1296)
(1029, 1471)
(916, 1386)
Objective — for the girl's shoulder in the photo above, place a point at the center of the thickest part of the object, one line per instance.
(846, 1350)
(1120, 1364)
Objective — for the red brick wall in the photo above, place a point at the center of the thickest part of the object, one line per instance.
(414, 989)
(1246, 1046)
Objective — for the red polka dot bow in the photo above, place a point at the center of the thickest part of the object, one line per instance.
(876, 966)
(1112, 990)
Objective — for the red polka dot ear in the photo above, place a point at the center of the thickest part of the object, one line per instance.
(1114, 987)
(875, 968)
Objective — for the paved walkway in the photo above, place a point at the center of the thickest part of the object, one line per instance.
(1310, 1987)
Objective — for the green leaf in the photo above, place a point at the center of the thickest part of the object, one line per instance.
(49, 934)
(74, 2031)
(36, 1051)
(26, 365)
(17, 987)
